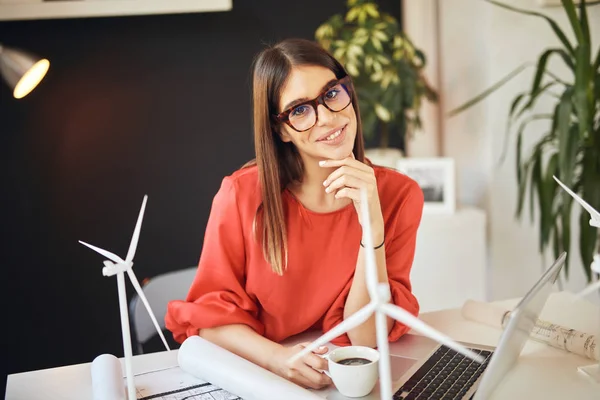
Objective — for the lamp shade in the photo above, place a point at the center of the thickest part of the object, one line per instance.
(22, 71)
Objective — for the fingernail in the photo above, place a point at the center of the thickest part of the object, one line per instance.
(321, 163)
(322, 348)
(327, 190)
(325, 183)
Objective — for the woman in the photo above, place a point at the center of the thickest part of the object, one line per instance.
(283, 246)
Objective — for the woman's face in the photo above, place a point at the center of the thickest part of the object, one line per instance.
(332, 136)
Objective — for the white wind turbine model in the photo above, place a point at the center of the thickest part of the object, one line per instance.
(595, 222)
(380, 305)
(593, 370)
(117, 267)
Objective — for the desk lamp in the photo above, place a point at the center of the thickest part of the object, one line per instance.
(22, 71)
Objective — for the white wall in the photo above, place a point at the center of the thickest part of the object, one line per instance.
(479, 44)
(419, 19)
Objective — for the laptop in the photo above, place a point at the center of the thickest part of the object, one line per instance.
(424, 369)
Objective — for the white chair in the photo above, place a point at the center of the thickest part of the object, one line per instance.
(159, 290)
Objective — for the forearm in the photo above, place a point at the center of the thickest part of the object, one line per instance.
(244, 341)
(358, 297)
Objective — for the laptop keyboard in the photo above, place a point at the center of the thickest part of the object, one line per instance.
(445, 375)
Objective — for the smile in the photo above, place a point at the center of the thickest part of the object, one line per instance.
(331, 137)
(334, 135)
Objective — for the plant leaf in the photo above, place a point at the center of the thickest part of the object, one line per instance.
(583, 93)
(532, 191)
(561, 36)
(556, 242)
(566, 232)
(522, 177)
(541, 66)
(489, 91)
(587, 243)
(382, 112)
(521, 129)
(549, 188)
(537, 178)
(533, 96)
(583, 21)
(567, 141)
(515, 104)
(534, 164)
(569, 7)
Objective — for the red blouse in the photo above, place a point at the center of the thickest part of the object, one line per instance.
(235, 285)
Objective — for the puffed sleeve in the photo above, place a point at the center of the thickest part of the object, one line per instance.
(217, 296)
(399, 255)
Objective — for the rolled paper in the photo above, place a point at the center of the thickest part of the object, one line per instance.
(484, 313)
(571, 340)
(107, 378)
(207, 361)
(558, 336)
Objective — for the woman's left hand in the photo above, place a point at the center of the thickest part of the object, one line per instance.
(348, 179)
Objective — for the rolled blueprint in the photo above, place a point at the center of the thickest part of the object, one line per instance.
(205, 360)
(107, 378)
(571, 340)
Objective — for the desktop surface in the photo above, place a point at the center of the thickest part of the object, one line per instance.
(542, 371)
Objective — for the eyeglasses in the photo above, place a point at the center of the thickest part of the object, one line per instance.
(304, 116)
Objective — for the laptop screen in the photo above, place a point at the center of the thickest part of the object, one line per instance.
(520, 323)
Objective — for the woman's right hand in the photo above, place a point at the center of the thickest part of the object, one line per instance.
(306, 371)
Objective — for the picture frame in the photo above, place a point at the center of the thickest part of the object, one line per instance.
(436, 177)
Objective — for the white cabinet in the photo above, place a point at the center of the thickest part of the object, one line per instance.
(450, 259)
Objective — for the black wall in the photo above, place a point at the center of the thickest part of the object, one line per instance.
(156, 105)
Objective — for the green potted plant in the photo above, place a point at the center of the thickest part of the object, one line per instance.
(570, 149)
(386, 68)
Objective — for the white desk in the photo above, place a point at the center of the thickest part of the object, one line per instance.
(542, 372)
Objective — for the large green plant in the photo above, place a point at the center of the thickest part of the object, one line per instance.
(571, 147)
(385, 66)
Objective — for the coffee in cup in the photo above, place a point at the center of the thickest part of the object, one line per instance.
(354, 370)
(354, 361)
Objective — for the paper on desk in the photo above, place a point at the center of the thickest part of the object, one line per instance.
(175, 384)
(555, 335)
(205, 370)
(237, 375)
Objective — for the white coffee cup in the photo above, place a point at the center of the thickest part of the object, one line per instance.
(353, 380)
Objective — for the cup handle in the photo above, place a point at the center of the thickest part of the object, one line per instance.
(325, 356)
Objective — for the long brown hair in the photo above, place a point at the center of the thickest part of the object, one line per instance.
(279, 163)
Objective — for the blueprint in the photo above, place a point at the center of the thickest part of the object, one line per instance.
(567, 339)
(181, 386)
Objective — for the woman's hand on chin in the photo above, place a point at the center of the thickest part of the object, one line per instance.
(347, 180)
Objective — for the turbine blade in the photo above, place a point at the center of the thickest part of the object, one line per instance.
(589, 290)
(107, 254)
(596, 264)
(136, 232)
(140, 292)
(353, 321)
(410, 320)
(595, 215)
